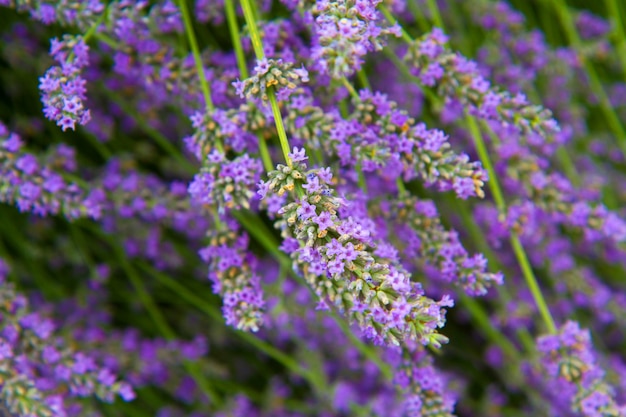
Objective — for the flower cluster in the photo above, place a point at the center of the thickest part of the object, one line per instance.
(225, 184)
(40, 372)
(271, 73)
(459, 78)
(62, 87)
(380, 136)
(422, 387)
(226, 127)
(569, 361)
(67, 12)
(322, 285)
(346, 31)
(425, 153)
(428, 244)
(338, 259)
(232, 272)
(37, 187)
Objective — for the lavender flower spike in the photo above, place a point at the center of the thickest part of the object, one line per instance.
(62, 87)
(337, 258)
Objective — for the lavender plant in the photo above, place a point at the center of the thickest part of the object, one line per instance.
(312, 208)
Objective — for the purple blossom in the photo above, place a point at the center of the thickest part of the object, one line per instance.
(63, 89)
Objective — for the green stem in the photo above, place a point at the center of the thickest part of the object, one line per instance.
(419, 17)
(92, 30)
(614, 12)
(518, 249)
(565, 160)
(365, 83)
(204, 85)
(280, 128)
(607, 109)
(191, 36)
(482, 320)
(233, 28)
(363, 79)
(434, 11)
(350, 88)
(486, 161)
(402, 191)
(100, 147)
(531, 281)
(265, 154)
(343, 108)
(255, 36)
(107, 40)
(361, 178)
(478, 237)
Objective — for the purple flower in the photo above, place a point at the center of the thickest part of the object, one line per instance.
(298, 155)
(63, 89)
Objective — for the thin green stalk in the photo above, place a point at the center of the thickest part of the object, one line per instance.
(531, 281)
(204, 85)
(478, 238)
(607, 109)
(401, 187)
(518, 249)
(614, 12)
(343, 108)
(191, 36)
(434, 11)
(419, 17)
(280, 128)
(107, 40)
(362, 183)
(233, 28)
(265, 154)
(255, 11)
(92, 30)
(365, 83)
(363, 79)
(546, 18)
(100, 147)
(486, 161)
(482, 320)
(255, 36)
(350, 88)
